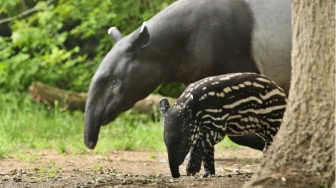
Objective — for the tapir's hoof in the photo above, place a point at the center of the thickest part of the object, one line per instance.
(191, 173)
(208, 175)
(176, 175)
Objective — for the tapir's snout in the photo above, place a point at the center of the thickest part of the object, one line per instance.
(90, 144)
(175, 160)
(176, 175)
(91, 134)
(93, 121)
(174, 169)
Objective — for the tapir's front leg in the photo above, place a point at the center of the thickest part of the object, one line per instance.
(195, 159)
(209, 162)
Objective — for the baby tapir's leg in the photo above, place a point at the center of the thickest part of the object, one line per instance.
(268, 132)
(209, 162)
(195, 159)
(202, 151)
(267, 141)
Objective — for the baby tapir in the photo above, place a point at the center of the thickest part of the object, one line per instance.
(231, 104)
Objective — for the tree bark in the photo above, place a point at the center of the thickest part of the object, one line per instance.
(49, 95)
(76, 101)
(303, 152)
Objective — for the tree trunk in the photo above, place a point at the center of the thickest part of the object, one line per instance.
(49, 95)
(303, 152)
(76, 101)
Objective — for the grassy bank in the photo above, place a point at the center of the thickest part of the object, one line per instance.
(26, 124)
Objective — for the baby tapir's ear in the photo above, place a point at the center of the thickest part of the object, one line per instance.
(188, 104)
(164, 105)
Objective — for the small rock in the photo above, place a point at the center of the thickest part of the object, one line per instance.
(6, 178)
(16, 179)
(100, 180)
(91, 182)
(118, 175)
(112, 170)
(283, 179)
(124, 182)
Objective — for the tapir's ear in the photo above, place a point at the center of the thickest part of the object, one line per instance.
(164, 105)
(189, 102)
(143, 37)
(115, 33)
(189, 105)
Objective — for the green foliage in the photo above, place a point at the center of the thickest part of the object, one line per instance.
(170, 89)
(63, 42)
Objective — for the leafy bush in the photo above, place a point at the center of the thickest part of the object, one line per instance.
(63, 41)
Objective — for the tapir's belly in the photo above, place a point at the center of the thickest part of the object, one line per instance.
(271, 39)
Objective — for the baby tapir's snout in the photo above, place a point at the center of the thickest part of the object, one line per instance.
(231, 104)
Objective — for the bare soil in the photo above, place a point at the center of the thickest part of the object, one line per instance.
(48, 168)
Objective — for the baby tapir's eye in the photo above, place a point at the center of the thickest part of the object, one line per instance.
(114, 83)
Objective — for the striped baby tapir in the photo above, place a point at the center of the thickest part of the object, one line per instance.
(231, 104)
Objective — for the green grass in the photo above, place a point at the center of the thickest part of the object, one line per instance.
(132, 131)
(28, 125)
(25, 124)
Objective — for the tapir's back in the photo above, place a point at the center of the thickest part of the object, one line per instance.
(204, 38)
(207, 38)
(235, 93)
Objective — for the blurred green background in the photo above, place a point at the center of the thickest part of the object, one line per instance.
(62, 42)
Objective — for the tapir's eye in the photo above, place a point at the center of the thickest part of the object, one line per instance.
(114, 83)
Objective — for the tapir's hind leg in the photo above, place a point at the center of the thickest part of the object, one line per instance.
(268, 138)
(269, 132)
(250, 140)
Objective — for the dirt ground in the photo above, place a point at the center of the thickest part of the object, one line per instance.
(48, 168)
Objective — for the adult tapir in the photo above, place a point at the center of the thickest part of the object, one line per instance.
(187, 41)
